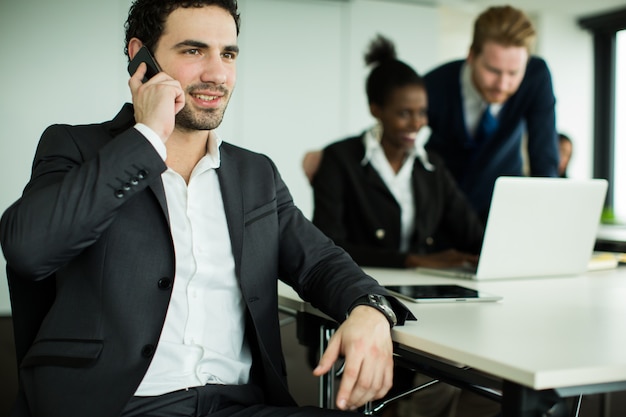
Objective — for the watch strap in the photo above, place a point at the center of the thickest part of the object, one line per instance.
(380, 303)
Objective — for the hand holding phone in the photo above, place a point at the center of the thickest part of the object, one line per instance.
(155, 107)
(144, 55)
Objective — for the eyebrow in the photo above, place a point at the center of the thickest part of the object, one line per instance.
(202, 45)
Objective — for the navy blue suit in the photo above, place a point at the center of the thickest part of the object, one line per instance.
(476, 168)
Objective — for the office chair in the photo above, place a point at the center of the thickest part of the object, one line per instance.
(30, 302)
(310, 163)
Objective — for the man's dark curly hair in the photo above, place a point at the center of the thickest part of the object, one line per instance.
(146, 18)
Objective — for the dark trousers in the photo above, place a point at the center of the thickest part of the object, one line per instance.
(218, 401)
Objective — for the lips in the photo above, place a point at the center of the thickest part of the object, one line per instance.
(208, 99)
(410, 137)
(496, 96)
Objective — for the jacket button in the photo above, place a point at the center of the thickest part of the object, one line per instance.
(165, 283)
(126, 186)
(380, 234)
(142, 174)
(119, 193)
(147, 351)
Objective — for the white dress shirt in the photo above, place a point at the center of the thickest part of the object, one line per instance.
(202, 341)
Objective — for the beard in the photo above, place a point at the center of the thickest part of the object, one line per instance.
(207, 119)
(190, 118)
(495, 97)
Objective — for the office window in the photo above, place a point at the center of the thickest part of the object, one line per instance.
(609, 42)
(619, 189)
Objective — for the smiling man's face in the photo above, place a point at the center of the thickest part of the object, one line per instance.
(198, 48)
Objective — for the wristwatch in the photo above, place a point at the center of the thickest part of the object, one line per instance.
(380, 303)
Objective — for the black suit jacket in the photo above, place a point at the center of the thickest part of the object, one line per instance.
(354, 207)
(91, 266)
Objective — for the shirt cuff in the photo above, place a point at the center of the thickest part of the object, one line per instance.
(153, 138)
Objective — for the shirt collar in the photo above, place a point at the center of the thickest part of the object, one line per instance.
(213, 149)
(371, 141)
(212, 159)
(470, 94)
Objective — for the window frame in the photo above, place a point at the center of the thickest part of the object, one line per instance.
(604, 28)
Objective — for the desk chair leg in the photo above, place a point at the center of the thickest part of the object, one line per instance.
(369, 408)
(327, 381)
(576, 408)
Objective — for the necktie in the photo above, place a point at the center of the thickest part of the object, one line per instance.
(486, 126)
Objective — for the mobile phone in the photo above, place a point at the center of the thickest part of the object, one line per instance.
(144, 55)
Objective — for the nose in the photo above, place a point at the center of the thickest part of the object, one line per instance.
(503, 82)
(215, 70)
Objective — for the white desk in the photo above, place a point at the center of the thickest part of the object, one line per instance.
(565, 333)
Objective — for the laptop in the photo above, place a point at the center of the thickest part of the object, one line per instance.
(537, 227)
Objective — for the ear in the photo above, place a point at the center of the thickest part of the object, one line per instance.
(375, 110)
(470, 56)
(134, 45)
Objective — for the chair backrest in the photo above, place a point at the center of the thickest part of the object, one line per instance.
(310, 163)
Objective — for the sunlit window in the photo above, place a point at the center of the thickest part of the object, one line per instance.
(619, 189)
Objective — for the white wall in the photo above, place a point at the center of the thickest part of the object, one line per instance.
(300, 78)
(568, 49)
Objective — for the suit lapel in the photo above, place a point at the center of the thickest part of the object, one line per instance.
(159, 193)
(371, 176)
(125, 119)
(376, 182)
(422, 214)
(232, 195)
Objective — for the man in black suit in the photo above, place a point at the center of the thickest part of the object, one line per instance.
(144, 253)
